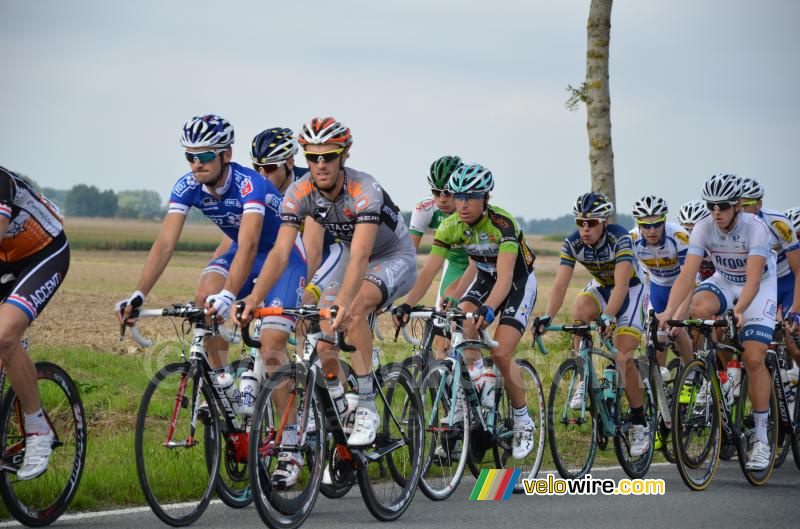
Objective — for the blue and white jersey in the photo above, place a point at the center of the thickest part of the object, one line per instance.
(245, 192)
(600, 260)
(784, 238)
(662, 261)
(729, 250)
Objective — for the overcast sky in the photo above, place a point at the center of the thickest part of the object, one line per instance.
(96, 91)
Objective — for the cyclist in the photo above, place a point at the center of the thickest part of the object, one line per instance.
(793, 322)
(379, 264)
(615, 297)
(245, 207)
(690, 214)
(739, 244)
(34, 259)
(784, 244)
(505, 283)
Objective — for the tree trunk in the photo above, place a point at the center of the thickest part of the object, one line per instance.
(598, 98)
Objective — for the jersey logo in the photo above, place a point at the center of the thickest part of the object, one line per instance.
(783, 230)
(362, 204)
(232, 202)
(273, 202)
(208, 202)
(289, 204)
(425, 205)
(247, 187)
(682, 237)
(348, 213)
(183, 184)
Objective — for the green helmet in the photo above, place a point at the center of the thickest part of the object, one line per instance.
(441, 170)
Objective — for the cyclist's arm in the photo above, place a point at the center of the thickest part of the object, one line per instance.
(505, 276)
(313, 239)
(755, 268)
(161, 252)
(223, 247)
(6, 201)
(415, 239)
(559, 289)
(360, 250)
(623, 271)
(4, 223)
(457, 289)
(277, 260)
(683, 286)
(425, 277)
(247, 241)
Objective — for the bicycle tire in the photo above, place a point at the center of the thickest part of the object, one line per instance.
(634, 467)
(42, 500)
(164, 480)
(667, 450)
(743, 409)
(443, 462)
(785, 448)
(283, 509)
(696, 465)
(388, 496)
(575, 429)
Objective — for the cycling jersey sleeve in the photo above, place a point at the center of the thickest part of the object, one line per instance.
(758, 239)
(253, 192)
(180, 200)
(785, 234)
(697, 239)
(368, 202)
(567, 254)
(681, 237)
(507, 226)
(6, 194)
(444, 238)
(421, 217)
(623, 249)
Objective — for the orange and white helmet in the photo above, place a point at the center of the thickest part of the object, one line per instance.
(325, 130)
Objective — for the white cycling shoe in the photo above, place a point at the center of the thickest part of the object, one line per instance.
(364, 428)
(38, 448)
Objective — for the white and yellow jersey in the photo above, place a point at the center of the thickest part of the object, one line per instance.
(662, 261)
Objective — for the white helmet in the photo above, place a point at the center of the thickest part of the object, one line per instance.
(693, 212)
(722, 187)
(207, 131)
(751, 189)
(793, 214)
(650, 206)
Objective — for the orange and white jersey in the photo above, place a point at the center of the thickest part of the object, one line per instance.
(33, 221)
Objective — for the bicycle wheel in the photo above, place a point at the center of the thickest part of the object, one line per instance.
(176, 470)
(696, 427)
(784, 447)
(392, 464)
(667, 449)
(287, 507)
(634, 466)
(40, 501)
(504, 427)
(573, 432)
(445, 445)
(233, 485)
(745, 424)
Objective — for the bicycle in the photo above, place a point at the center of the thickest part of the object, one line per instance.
(573, 426)
(42, 500)
(701, 423)
(452, 431)
(789, 429)
(178, 446)
(388, 470)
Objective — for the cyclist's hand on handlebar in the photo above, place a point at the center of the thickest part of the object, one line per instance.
(662, 319)
(486, 316)
(400, 315)
(739, 318)
(792, 322)
(606, 324)
(243, 311)
(126, 306)
(220, 304)
(541, 323)
(448, 302)
(342, 319)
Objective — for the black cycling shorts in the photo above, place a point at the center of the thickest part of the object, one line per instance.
(30, 283)
(517, 307)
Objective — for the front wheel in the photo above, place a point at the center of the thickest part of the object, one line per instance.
(635, 466)
(40, 501)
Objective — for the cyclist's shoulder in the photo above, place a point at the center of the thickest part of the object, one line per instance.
(501, 219)
(677, 233)
(779, 224)
(247, 180)
(187, 184)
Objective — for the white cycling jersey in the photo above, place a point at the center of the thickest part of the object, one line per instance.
(663, 261)
(729, 250)
(783, 238)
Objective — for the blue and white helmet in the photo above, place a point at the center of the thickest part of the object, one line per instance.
(722, 187)
(207, 131)
(793, 214)
(471, 178)
(273, 146)
(751, 189)
(593, 206)
(693, 212)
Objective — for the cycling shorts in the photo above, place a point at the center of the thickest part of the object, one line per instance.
(516, 309)
(759, 317)
(630, 318)
(659, 295)
(327, 268)
(287, 292)
(30, 283)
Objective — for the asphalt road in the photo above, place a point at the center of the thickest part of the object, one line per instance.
(729, 502)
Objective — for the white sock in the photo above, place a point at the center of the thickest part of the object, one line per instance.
(761, 419)
(35, 423)
(289, 435)
(521, 415)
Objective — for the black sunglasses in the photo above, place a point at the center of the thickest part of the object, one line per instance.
(319, 157)
(441, 193)
(722, 206)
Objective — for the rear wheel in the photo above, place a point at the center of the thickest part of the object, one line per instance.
(745, 424)
(634, 466)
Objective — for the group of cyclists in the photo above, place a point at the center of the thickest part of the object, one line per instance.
(331, 235)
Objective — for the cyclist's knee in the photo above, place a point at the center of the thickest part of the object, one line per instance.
(704, 306)
(753, 357)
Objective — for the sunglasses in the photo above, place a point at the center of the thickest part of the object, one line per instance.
(319, 157)
(468, 196)
(651, 225)
(441, 193)
(722, 206)
(269, 167)
(587, 223)
(202, 157)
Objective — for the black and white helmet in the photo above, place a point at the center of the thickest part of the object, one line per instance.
(692, 212)
(207, 131)
(650, 206)
(751, 189)
(793, 214)
(722, 187)
(471, 178)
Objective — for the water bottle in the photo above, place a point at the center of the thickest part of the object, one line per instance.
(789, 378)
(610, 387)
(734, 374)
(476, 374)
(489, 383)
(248, 391)
(727, 387)
(225, 381)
